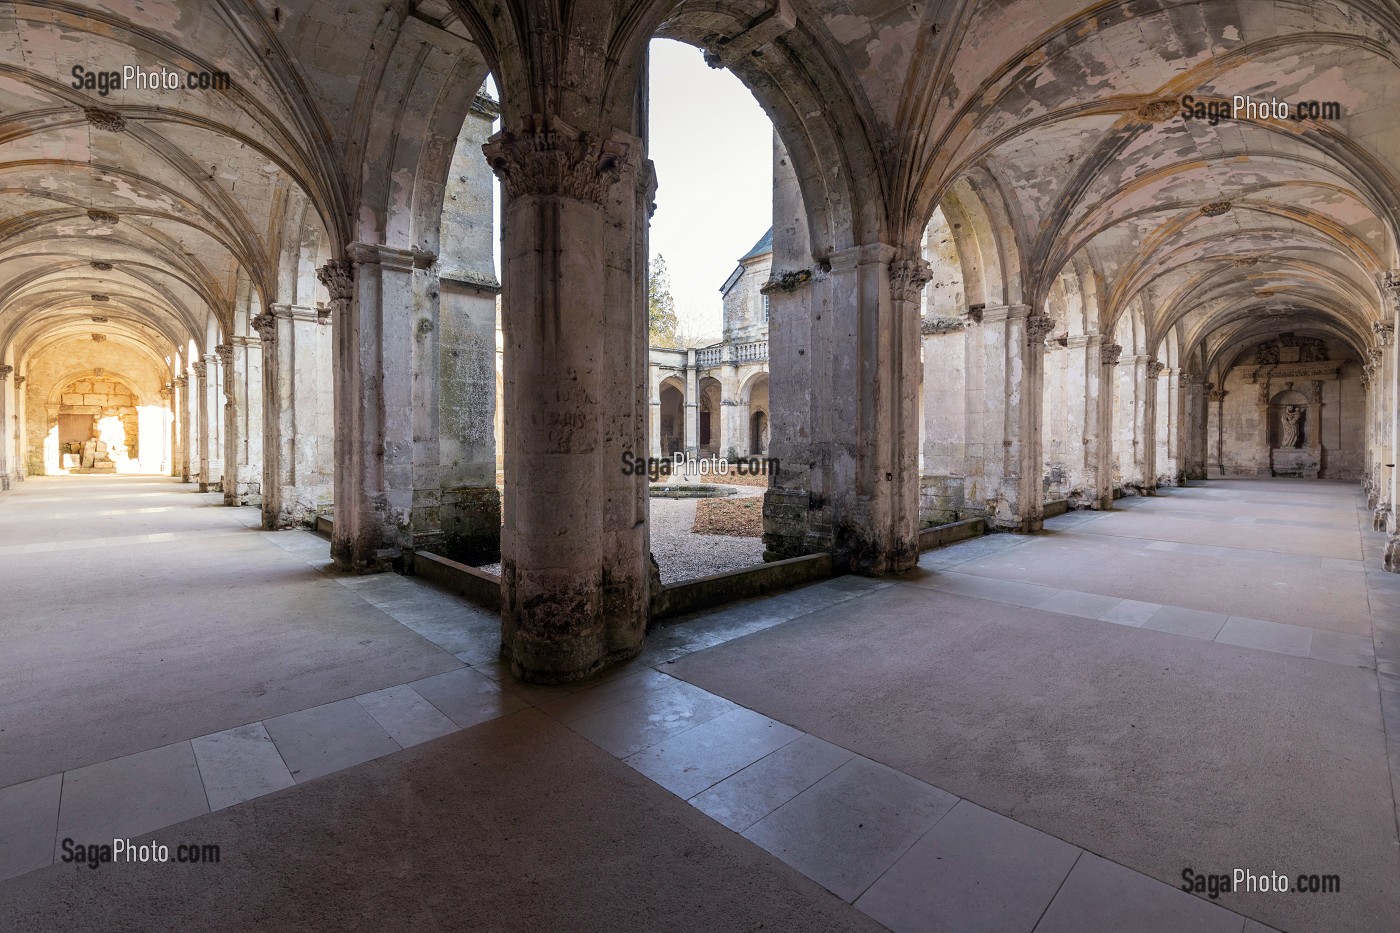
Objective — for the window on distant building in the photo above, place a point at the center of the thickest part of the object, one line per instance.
(765, 309)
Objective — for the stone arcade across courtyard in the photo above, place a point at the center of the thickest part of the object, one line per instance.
(1013, 284)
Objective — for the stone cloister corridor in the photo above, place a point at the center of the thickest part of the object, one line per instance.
(347, 349)
(1073, 717)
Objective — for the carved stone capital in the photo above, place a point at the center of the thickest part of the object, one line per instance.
(1154, 369)
(5, 372)
(1383, 331)
(1218, 395)
(553, 158)
(1037, 326)
(908, 278)
(338, 276)
(1375, 354)
(225, 353)
(1109, 354)
(201, 369)
(266, 326)
(20, 381)
(1390, 283)
(180, 381)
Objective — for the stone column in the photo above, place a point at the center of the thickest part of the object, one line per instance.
(1109, 354)
(6, 433)
(1193, 426)
(230, 444)
(297, 447)
(199, 399)
(1218, 397)
(654, 406)
(1147, 433)
(167, 452)
(692, 404)
(470, 511)
(214, 423)
(1169, 444)
(244, 434)
(575, 568)
(179, 427)
(1376, 374)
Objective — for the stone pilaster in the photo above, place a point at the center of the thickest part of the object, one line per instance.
(298, 450)
(1147, 431)
(1218, 397)
(1389, 400)
(7, 454)
(575, 564)
(199, 396)
(180, 427)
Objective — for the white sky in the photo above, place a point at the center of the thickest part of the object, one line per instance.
(713, 149)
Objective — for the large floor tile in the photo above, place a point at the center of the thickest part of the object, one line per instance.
(240, 764)
(1084, 605)
(748, 796)
(1103, 895)
(597, 696)
(1193, 623)
(405, 715)
(467, 697)
(1266, 636)
(849, 827)
(642, 721)
(131, 795)
(1353, 650)
(328, 738)
(28, 821)
(1130, 612)
(974, 872)
(698, 758)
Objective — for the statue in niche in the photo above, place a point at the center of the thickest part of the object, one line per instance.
(1266, 353)
(1292, 427)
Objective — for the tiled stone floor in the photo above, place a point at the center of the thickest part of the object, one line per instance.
(908, 854)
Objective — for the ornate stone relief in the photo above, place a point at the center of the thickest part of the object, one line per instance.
(1154, 369)
(100, 297)
(908, 278)
(1157, 111)
(102, 217)
(1037, 326)
(1383, 331)
(1245, 262)
(338, 276)
(1308, 350)
(1215, 208)
(1218, 395)
(20, 381)
(1110, 353)
(101, 266)
(5, 371)
(98, 338)
(201, 369)
(104, 119)
(225, 354)
(554, 158)
(99, 319)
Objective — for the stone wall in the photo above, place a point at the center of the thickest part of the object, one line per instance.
(83, 376)
(1243, 447)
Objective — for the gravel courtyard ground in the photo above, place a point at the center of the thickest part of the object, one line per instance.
(684, 555)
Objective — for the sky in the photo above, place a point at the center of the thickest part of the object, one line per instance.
(713, 150)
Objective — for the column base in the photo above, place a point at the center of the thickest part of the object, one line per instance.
(785, 523)
(1392, 554)
(1380, 518)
